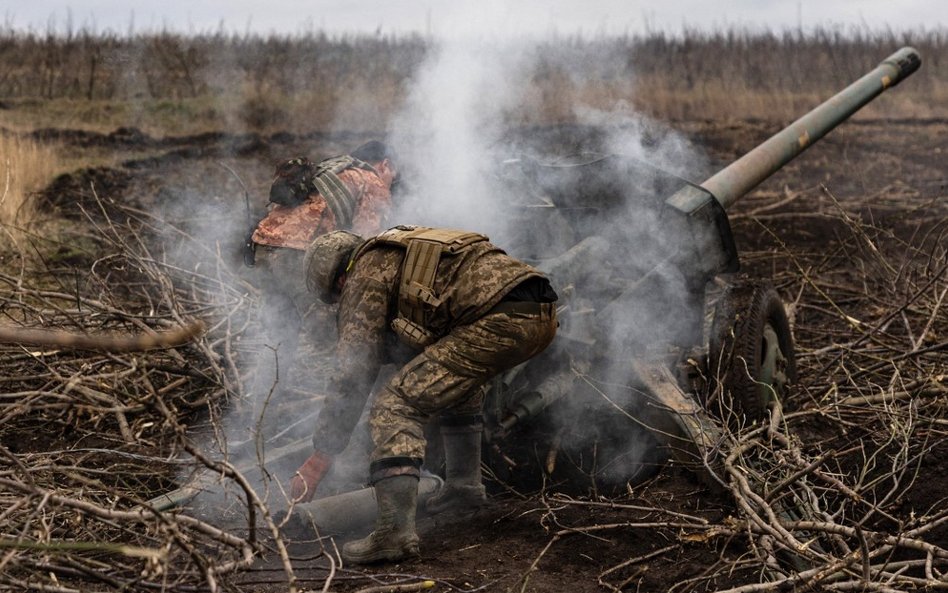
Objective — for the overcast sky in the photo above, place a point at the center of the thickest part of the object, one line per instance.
(445, 17)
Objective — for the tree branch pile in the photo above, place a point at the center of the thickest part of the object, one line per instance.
(86, 437)
(830, 490)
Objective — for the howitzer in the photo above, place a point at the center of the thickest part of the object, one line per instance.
(652, 316)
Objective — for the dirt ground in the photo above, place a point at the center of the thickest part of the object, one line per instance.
(541, 537)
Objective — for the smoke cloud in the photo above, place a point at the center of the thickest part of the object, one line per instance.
(470, 167)
(448, 132)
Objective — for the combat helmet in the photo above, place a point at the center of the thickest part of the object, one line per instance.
(290, 185)
(326, 258)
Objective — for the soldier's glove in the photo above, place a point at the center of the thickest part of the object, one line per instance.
(308, 476)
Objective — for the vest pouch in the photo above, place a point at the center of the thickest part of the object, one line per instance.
(412, 334)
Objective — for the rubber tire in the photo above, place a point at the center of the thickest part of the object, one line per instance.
(738, 334)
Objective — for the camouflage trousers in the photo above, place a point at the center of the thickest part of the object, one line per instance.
(447, 377)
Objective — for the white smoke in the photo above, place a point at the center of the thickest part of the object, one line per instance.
(448, 130)
(457, 127)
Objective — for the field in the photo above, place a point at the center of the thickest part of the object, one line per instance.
(140, 223)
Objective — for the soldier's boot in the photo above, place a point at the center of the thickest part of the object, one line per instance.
(394, 537)
(462, 488)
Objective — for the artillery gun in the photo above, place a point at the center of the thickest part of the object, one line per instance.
(645, 269)
(655, 320)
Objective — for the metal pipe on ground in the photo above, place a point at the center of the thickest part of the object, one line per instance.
(349, 511)
(205, 478)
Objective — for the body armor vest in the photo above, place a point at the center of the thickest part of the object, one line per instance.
(424, 248)
(326, 181)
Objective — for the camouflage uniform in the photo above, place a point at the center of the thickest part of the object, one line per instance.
(281, 239)
(296, 226)
(478, 338)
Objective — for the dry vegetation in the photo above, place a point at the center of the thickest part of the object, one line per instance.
(167, 84)
(106, 417)
(26, 166)
(828, 480)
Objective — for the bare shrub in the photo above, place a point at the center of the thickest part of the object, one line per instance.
(96, 527)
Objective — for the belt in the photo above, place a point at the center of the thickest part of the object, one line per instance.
(524, 308)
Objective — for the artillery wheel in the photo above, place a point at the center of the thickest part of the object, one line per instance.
(750, 356)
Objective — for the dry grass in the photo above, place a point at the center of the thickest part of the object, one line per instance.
(25, 167)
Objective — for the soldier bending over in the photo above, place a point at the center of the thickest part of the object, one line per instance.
(472, 312)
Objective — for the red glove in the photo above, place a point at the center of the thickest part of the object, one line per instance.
(303, 485)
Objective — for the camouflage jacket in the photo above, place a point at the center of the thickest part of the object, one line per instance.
(469, 285)
(296, 226)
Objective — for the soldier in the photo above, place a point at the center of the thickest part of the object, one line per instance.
(345, 192)
(472, 312)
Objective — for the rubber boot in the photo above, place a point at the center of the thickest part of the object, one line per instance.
(394, 537)
(462, 488)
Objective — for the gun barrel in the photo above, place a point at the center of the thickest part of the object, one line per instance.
(746, 173)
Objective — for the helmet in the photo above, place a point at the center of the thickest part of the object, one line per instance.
(325, 259)
(291, 181)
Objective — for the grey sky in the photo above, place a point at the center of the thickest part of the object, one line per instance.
(447, 17)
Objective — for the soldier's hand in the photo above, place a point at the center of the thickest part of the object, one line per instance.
(308, 476)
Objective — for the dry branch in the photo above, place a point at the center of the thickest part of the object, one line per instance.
(108, 343)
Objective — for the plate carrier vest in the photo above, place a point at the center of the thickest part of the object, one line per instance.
(424, 247)
(338, 197)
